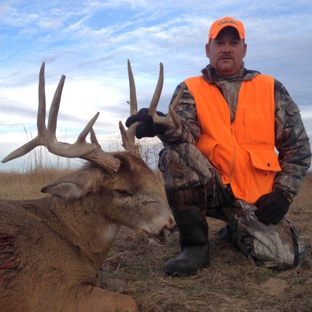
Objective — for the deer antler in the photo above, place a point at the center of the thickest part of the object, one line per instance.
(47, 137)
(171, 121)
(128, 137)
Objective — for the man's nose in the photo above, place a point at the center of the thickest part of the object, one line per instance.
(226, 48)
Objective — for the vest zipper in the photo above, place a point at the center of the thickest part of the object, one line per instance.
(234, 157)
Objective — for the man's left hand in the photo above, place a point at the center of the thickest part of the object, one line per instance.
(146, 127)
(272, 207)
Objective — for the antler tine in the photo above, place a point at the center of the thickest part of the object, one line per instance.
(93, 137)
(88, 129)
(40, 138)
(42, 103)
(128, 137)
(54, 109)
(157, 93)
(133, 98)
(172, 114)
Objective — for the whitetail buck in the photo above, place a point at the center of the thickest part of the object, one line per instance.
(51, 249)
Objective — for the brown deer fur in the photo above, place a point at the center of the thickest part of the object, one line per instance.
(51, 249)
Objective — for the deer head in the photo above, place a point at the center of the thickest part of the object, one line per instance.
(128, 182)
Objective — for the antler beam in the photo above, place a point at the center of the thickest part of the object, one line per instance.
(171, 121)
(47, 136)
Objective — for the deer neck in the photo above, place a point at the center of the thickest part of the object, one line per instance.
(91, 235)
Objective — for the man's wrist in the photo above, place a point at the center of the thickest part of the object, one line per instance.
(287, 195)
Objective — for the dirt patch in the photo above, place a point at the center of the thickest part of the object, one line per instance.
(274, 286)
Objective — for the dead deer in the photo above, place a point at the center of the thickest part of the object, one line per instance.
(51, 249)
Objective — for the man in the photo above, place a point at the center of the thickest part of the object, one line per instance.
(223, 163)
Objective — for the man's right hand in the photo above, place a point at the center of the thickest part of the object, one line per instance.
(146, 127)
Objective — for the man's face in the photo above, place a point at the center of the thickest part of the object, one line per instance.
(226, 52)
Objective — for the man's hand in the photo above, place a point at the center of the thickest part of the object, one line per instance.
(272, 207)
(146, 127)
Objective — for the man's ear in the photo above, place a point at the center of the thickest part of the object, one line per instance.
(245, 49)
(207, 48)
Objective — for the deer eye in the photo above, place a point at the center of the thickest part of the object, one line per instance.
(123, 192)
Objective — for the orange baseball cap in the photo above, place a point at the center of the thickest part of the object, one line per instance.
(225, 22)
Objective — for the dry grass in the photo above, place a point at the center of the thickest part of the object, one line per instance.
(231, 283)
(27, 185)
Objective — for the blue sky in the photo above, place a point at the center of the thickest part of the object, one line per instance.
(90, 42)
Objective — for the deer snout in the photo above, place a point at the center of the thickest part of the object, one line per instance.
(172, 227)
(162, 235)
(169, 228)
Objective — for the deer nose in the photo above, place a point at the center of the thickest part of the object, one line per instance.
(172, 228)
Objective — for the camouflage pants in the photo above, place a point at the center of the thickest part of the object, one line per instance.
(184, 167)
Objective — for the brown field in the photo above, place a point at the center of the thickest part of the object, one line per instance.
(231, 283)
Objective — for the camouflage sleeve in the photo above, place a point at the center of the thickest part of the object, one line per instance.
(291, 141)
(186, 110)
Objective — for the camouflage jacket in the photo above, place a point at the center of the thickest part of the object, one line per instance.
(291, 140)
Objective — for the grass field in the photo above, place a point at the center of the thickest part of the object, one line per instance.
(231, 283)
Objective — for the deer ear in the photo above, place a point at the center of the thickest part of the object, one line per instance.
(66, 190)
(71, 186)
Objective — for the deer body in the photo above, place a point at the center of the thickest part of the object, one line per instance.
(51, 249)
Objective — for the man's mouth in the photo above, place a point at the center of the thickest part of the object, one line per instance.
(226, 58)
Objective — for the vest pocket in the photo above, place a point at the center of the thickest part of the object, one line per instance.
(263, 166)
(264, 160)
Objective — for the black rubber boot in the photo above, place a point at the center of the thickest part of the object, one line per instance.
(227, 234)
(194, 243)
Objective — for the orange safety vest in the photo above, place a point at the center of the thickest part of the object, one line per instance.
(243, 152)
